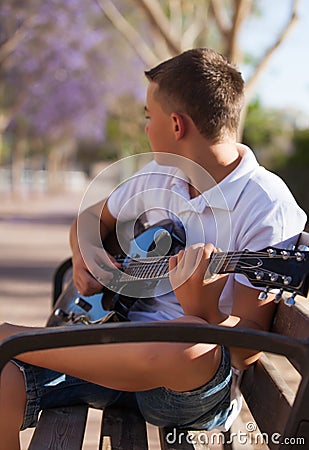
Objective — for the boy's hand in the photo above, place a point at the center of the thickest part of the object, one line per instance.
(90, 282)
(190, 266)
(197, 291)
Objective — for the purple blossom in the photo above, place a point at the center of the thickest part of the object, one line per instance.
(70, 68)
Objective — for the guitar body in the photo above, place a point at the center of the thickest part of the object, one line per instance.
(114, 302)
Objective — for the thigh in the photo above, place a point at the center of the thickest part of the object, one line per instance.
(204, 408)
(49, 389)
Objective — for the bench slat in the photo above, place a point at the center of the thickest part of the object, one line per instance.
(268, 398)
(123, 429)
(292, 322)
(60, 429)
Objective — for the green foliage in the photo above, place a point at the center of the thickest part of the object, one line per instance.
(125, 129)
(4, 151)
(300, 157)
(268, 132)
(295, 169)
(297, 180)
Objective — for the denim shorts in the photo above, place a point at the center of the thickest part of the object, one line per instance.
(205, 408)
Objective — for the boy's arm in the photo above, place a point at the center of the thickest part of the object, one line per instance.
(87, 232)
(250, 312)
(201, 298)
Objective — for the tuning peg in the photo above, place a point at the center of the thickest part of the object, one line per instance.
(290, 301)
(286, 280)
(66, 317)
(285, 255)
(299, 256)
(271, 252)
(79, 301)
(263, 294)
(278, 296)
(259, 275)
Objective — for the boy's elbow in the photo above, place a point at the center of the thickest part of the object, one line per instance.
(243, 361)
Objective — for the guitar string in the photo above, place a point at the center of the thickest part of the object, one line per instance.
(233, 258)
(141, 266)
(145, 275)
(217, 258)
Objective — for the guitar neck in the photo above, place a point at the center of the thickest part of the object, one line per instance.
(270, 268)
(155, 268)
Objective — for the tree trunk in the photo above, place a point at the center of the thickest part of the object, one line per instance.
(55, 182)
(18, 166)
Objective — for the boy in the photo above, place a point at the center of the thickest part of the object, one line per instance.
(219, 193)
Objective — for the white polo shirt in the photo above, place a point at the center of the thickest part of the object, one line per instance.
(251, 208)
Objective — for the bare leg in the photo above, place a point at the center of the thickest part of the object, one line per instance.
(132, 366)
(12, 406)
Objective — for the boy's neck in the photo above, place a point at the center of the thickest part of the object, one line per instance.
(217, 160)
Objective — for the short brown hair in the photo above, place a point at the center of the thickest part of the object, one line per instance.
(204, 85)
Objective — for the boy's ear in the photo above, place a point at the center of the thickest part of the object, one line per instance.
(179, 125)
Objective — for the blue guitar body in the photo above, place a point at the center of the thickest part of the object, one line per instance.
(129, 284)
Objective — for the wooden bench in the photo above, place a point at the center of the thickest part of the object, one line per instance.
(279, 410)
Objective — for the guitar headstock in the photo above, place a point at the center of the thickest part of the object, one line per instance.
(275, 268)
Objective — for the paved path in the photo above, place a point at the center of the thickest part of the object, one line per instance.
(33, 241)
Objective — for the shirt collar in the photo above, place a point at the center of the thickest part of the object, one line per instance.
(226, 193)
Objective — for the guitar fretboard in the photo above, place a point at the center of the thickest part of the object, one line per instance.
(154, 268)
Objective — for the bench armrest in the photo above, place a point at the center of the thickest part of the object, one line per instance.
(296, 350)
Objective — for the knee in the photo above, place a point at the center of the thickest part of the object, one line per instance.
(181, 366)
(13, 393)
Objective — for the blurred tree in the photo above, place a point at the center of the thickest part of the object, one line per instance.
(60, 82)
(295, 169)
(269, 132)
(124, 136)
(300, 156)
(176, 25)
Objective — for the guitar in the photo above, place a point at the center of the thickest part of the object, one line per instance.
(147, 263)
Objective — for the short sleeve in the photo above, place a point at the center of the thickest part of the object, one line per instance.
(277, 224)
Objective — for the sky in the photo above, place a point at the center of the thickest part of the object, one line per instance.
(285, 81)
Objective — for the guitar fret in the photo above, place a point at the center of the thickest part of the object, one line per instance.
(154, 270)
(158, 270)
(230, 262)
(145, 269)
(223, 262)
(216, 263)
(150, 268)
(163, 269)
